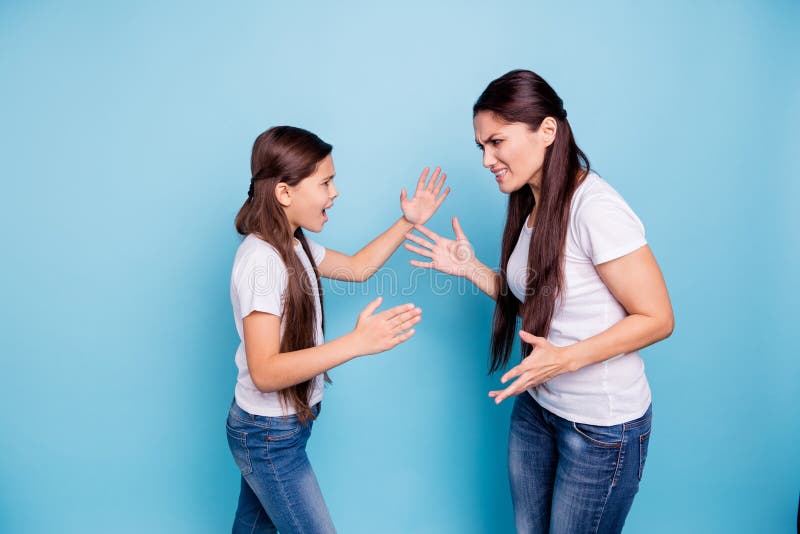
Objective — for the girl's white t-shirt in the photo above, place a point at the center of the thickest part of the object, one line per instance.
(258, 283)
(602, 227)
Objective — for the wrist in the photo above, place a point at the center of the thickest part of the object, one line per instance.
(570, 356)
(353, 347)
(473, 271)
(408, 224)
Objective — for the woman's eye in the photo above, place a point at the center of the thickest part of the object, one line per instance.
(480, 147)
(496, 142)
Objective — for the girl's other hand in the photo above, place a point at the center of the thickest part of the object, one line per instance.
(426, 199)
(449, 256)
(378, 332)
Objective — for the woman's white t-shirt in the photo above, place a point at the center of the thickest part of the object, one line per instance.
(602, 227)
(258, 283)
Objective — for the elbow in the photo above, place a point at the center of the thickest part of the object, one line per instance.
(362, 274)
(263, 384)
(263, 379)
(362, 267)
(667, 327)
(354, 272)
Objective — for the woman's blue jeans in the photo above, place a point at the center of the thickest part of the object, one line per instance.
(571, 478)
(279, 491)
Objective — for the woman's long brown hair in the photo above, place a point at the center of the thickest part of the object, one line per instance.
(285, 154)
(523, 96)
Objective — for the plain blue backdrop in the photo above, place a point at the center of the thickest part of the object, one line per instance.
(124, 152)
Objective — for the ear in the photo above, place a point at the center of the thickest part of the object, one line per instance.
(548, 130)
(284, 194)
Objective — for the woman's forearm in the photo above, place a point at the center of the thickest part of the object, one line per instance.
(632, 333)
(483, 278)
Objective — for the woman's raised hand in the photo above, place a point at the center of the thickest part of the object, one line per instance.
(449, 256)
(377, 332)
(426, 199)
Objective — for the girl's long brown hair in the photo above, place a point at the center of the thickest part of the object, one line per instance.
(285, 154)
(523, 96)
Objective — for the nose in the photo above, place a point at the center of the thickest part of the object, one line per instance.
(488, 158)
(334, 192)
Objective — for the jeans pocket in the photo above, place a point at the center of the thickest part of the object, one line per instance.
(237, 441)
(644, 442)
(602, 436)
(281, 428)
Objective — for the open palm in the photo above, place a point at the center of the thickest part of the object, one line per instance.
(426, 199)
(450, 256)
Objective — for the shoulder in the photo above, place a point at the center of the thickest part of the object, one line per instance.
(594, 198)
(602, 225)
(255, 254)
(317, 250)
(592, 189)
(252, 247)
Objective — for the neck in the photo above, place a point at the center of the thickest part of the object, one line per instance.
(537, 192)
(535, 184)
(293, 238)
(536, 188)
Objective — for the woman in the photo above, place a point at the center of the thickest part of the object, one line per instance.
(575, 266)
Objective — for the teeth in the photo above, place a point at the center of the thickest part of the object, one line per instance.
(501, 173)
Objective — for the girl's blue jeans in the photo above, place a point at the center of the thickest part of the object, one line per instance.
(279, 491)
(572, 478)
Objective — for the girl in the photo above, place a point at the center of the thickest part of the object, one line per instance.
(575, 266)
(277, 304)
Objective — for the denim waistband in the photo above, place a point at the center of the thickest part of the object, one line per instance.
(239, 413)
(642, 420)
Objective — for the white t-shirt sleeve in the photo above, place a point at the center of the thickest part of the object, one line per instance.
(260, 282)
(317, 251)
(607, 228)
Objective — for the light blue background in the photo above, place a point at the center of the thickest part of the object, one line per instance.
(124, 149)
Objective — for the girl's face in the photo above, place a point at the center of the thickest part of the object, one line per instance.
(305, 203)
(512, 151)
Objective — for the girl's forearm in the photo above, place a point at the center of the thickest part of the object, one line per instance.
(632, 333)
(369, 259)
(285, 369)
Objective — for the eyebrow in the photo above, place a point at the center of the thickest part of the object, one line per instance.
(486, 140)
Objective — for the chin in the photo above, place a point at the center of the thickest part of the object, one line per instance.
(507, 188)
(512, 188)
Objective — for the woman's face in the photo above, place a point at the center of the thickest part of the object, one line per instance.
(512, 151)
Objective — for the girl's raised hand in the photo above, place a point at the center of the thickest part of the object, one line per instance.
(426, 199)
(447, 255)
(377, 332)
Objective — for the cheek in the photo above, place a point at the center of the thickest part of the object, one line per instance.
(532, 160)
